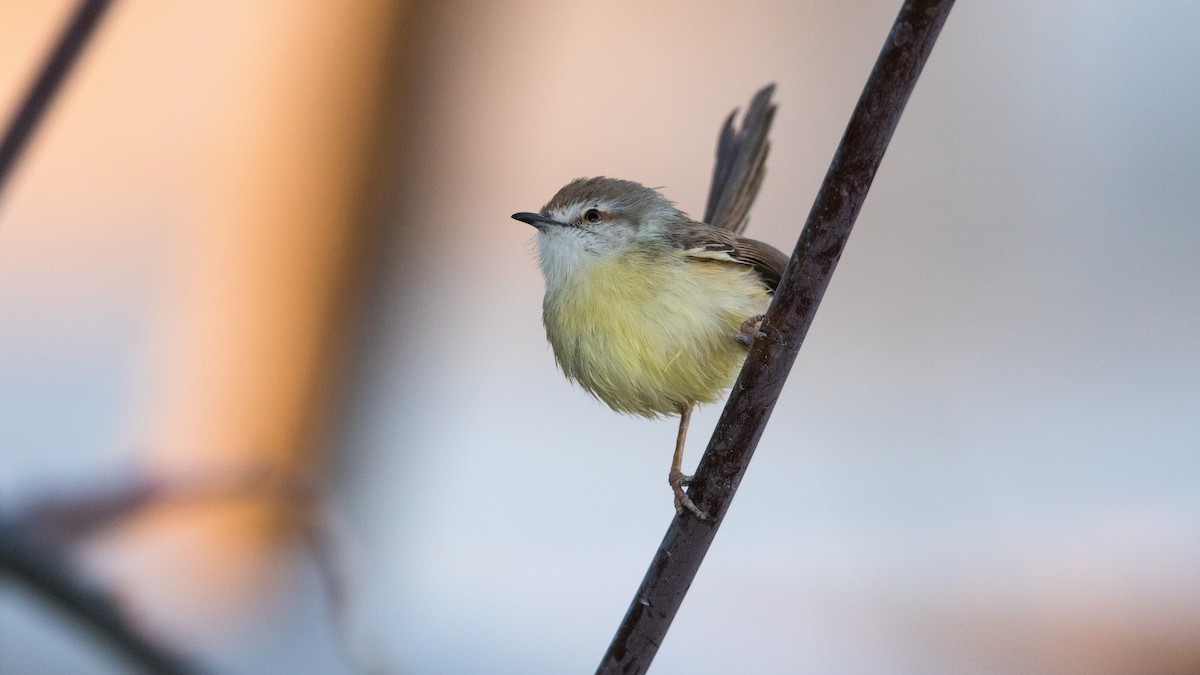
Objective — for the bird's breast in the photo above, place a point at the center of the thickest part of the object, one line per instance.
(652, 334)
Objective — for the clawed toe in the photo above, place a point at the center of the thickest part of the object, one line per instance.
(749, 331)
(678, 481)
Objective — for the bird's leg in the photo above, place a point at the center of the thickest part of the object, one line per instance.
(676, 478)
(749, 330)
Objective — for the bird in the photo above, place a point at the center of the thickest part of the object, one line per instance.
(647, 309)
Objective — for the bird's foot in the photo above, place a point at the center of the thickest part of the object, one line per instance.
(749, 331)
(678, 481)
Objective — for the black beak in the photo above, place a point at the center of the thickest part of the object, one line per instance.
(536, 219)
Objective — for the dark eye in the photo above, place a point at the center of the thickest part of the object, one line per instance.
(591, 215)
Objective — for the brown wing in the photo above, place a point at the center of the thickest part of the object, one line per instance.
(741, 164)
(711, 243)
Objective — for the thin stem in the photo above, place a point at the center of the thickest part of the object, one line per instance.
(44, 571)
(770, 359)
(55, 69)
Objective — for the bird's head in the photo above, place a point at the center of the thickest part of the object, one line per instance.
(591, 219)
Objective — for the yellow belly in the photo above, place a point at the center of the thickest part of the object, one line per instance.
(653, 339)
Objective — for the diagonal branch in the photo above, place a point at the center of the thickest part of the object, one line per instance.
(45, 571)
(771, 356)
(58, 64)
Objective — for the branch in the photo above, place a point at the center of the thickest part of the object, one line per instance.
(37, 541)
(49, 80)
(43, 570)
(771, 356)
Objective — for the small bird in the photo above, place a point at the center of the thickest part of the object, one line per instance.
(647, 309)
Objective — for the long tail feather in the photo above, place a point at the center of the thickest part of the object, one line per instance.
(741, 163)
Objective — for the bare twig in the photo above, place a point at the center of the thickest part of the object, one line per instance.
(324, 535)
(62, 519)
(49, 80)
(38, 544)
(770, 359)
(44, 570)
(41, 537)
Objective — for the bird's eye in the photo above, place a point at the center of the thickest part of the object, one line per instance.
(591, 215)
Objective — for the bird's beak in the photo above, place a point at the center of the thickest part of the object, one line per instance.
(536, 219)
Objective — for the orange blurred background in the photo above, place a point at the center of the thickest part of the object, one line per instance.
(268, 243)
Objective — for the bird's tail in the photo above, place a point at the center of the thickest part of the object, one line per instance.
(741, 163)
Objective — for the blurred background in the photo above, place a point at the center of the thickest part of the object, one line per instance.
(259, 258)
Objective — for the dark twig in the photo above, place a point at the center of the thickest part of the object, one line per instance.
(38, 542)
(40, 567)
(49, 80)
(36, 545)
(43, 570)
(325, 537)
(770, 359)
